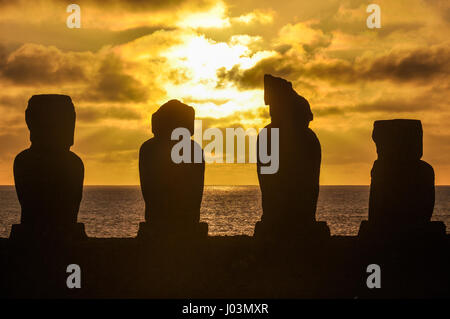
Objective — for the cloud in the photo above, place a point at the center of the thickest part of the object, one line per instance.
(112, 83)
(104, 75)
(253, 78)
(36, 65)
(303, 38)
(420, 65)
(3, 55)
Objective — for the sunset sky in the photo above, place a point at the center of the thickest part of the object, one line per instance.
(129, 57)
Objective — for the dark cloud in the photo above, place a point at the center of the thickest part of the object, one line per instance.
(417, 65)
(178, 76)
(420, 65)
(3, 55)
(264, 113)
(253, 78)
(320, 43)
(283, 49)
(113, 84)
(38, 65)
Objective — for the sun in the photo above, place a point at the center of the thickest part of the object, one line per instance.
(200, 59)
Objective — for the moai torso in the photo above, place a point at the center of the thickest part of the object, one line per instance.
(172, 192)
(290, 195)
(49, 186)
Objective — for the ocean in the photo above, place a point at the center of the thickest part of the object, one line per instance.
(115, 211)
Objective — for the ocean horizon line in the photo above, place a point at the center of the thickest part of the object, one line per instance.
(136, 185)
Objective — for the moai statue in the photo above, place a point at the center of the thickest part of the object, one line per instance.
(289, 197)
(402, 187)
(172, 191)
(48, 176)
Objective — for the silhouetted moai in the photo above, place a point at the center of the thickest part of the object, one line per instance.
(172, 192)
(402, 186)
(48, 176)
(289, 197)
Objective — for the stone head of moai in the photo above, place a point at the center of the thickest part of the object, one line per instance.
(398, 140)
(51, 121)
(170, 116)
(285, 104)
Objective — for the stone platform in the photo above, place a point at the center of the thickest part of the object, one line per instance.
(225, 267)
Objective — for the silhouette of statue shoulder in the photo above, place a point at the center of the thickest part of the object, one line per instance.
(48, 176)
(289, 197)
(172, 191)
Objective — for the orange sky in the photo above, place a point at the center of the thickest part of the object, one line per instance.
(129, 57)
